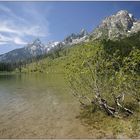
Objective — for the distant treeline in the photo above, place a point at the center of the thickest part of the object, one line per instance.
(9, 66)
(54, 53)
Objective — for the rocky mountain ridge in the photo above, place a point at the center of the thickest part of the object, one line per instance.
(37, 48)
(117, 26)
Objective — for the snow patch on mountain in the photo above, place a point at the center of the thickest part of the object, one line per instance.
(117, 26)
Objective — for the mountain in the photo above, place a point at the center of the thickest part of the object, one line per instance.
(73, 38)
(33, 49)
(37, 48)
(117, 26)
(76, 38)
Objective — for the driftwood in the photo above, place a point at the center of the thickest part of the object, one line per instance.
(119, 105)
(97, 99)
(102, 103)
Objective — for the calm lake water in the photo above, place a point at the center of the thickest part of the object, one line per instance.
(38, 106)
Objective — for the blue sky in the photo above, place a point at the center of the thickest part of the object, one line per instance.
(22, 22)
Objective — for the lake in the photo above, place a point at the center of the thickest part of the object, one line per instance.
(38, 106)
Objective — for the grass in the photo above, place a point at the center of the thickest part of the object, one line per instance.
(108, 127)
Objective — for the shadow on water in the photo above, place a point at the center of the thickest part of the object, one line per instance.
(7, 77)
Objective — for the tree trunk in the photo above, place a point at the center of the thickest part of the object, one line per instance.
(117, 99)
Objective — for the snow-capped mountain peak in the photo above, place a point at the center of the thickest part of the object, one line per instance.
(83, 32)
(51, 45)
(76, 38)
(117, 26)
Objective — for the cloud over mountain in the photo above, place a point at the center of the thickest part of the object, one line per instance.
(17, 27)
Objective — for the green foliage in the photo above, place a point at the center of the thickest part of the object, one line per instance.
(113, 66)
(108, 67)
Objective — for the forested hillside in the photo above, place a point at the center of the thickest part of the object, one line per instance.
(97, 68)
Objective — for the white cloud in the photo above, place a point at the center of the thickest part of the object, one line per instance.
(4, 27)
(33, 31)
(8, 27)
(15, 29)
(11, 40)
(3, 43)
(4, 38)
(19, 41)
